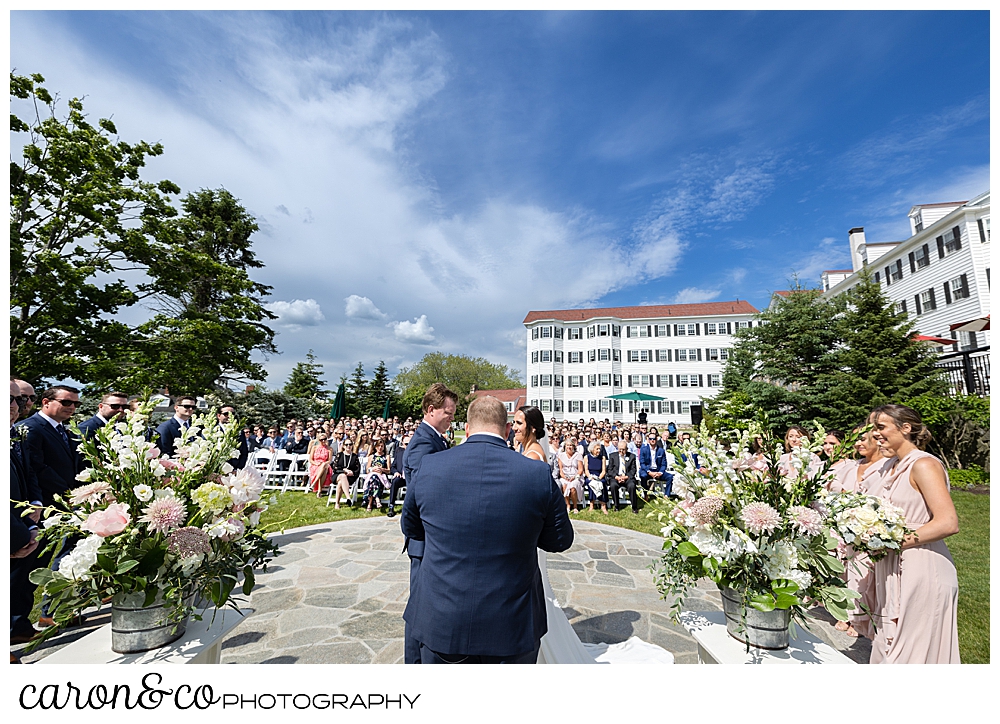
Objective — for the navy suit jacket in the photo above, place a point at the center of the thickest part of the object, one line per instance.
(54, 465)
(167, 434)
(648, 462)
(23, 488)
(482, 510)
(89, 427)
(425, 441)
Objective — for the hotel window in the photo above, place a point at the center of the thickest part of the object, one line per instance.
(576, 333)
(591, 405)
(534, 332)
(984, 229)
(894, 272)
(591, 331)
(662, 356)
(591, 355)
(557, 380)
(605, 380)
(742, 325)
(603, 330)
(616, 355)
(662, 330)
(546, 332)
(592, 380)
(576, 380)
(509, 406)
(558, 355)
(604, 355)
(558, 332)
(545, 355)
(715, 380)
(638, 330)
(534, 403)
(683, 408)
(546, 381)
(617, 381)
(680, 355)
(920, 258)
(557, 405)
(949, 242)
(710, 328)
(925, 301)
(692, 330)
(576, 357)
(576, 405)
(723, 354)
(957, 288)
(534, 380)
(617, 407)
(664, 381)
(683, 380)
(899, 307)
(604, 406)
(712, 355)
(534, 356)
(546, 405)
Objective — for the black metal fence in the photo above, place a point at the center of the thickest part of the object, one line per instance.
(968, 372)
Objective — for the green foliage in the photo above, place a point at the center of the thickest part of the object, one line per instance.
(960, 426)
(79, 214)
(306, 379)
(271, 407)
(356, 392)
(829, 361)
(379, 390)
(81, 218)
(458, 372)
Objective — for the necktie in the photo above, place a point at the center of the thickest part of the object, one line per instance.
(187, 424)
(64, 436)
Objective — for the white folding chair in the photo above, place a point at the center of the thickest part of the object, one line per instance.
(297, 479)
(276, 477)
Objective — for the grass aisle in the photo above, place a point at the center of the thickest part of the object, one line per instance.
(970, 548)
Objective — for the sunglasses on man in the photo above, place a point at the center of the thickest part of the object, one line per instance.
(116, 406)
(68, 403)
(189, 407)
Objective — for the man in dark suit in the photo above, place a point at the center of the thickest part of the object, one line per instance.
(622, 473)
(111, 408)
(169, 430)
(652, 462)
(53, 457)
(226, 415)
(482, 510)
(439, 404)
(23, 530)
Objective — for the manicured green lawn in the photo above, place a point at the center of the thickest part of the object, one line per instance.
(970, 548)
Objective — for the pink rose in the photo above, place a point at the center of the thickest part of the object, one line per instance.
(110, 521)
(153, 452)
(171, 465)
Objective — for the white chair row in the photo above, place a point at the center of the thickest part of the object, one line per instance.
(293, 477)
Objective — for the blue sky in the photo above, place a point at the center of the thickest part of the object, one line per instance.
(423, 180)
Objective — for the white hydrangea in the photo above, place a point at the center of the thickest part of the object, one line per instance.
(81, 559)
(710, 544)
(221, 528)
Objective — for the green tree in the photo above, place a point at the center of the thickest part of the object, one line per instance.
(960, 427)
(306, 378)
(356, 392)
(825, 360)
(79, 215)
(379, 390)
(269, 407)
(458, 372)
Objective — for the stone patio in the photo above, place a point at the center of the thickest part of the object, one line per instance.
(337, 593)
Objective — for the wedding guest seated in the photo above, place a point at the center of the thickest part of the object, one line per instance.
(298, 445)
(320, 472)
(346, 470)
(571, 474)
(397, 476)
(652, 463)
(595, 467)
(378, 480)
(621, 472)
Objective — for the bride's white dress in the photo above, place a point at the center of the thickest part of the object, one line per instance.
(561, 645)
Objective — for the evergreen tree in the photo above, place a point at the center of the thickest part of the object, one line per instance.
(305, 379)
(356, 392)
(458, 372)
(379, 390)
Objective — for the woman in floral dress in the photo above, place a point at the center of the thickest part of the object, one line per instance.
(378, 466)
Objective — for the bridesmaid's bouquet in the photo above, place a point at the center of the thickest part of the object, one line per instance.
(866, 524)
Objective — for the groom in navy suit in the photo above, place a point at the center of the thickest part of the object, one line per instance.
(482, 510)
(438, 405)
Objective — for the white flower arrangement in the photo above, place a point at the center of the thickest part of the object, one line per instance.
(867, 524)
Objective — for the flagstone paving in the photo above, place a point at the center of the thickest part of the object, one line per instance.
(337, 593)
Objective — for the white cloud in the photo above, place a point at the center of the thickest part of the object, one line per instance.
(694, 295)
(829, 253)
(297, 313)
(419, 330)
(357, 307)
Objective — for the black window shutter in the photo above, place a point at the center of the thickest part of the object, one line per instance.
(878, 278)
(670, 381)
(927, 253)
(670, 355)
(657, 377)
(957, 231)
(940, 245)
(899, 267)
(699, 354)
(668, 330)
(982, 231)
(888, 276)
(903, 303)
(701, 380)
(965, 286)
(916, 302)
(675, 330)
(750, 324)
(628, 331)
(947, 293)
(630, 380)
(656, 330)
(729, 327)
(913, 264)
(697, 329)
(933, 303)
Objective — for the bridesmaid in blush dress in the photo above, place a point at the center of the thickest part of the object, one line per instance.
(857, 476)
(916, 590)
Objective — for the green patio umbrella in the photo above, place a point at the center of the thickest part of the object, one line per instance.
(339, 403)
(636, 396)
(385, 411)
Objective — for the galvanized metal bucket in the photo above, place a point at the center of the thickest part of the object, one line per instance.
(761, 629)
(136, 628)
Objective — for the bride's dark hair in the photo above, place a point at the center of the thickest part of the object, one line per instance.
(536, 421)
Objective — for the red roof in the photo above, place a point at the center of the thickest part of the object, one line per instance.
(705, 309)
(504, 395)
(838, 271)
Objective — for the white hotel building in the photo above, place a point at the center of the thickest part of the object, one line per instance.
(576, 358)
(940, 275)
